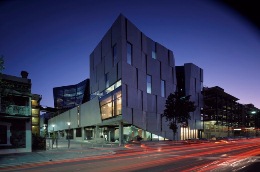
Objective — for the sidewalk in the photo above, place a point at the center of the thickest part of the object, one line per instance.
(77, 150)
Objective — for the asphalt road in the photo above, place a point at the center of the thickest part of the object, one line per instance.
(162, 156)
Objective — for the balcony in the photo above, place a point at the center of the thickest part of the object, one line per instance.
(18, 110)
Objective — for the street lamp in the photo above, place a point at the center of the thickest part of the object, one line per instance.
(68, 134)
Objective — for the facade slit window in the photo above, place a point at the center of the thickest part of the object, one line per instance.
(142, 94)
(129, 49)
(136, 78)
(141, 41)
(114, 54)
(162, 88)
(160, 69)
(149, 83)
(195, 85)
(106, 80)
(146, 63)
(154, 55)
(126, 95)
(126, 28)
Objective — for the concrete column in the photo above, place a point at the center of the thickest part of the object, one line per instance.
(65, 134)
(121, 139)
(83, 134)
(8, 134)
(28, 136)
(97, 133)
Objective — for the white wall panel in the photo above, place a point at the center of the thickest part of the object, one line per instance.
(90, 113)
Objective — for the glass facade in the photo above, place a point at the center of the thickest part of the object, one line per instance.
(149, 83)
(111, 104)
(129, 53)
(71, 96)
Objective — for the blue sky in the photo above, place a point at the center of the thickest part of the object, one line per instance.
(53, 39)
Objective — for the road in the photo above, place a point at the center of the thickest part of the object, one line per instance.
(161, 156)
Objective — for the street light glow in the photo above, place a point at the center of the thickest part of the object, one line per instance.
(253, 112)
(68, 123)
(53, 125)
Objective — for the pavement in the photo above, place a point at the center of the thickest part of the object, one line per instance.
(78, 149)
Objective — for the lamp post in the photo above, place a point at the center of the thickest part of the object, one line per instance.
(68, 134)
(53, 137)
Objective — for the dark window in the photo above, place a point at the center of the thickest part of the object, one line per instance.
(154, 51)
(106, 80)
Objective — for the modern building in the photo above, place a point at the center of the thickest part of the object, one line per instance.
(130, 78)
(220, 113)
(15, 114)
(67, 97)
(190, 83)
(251, 121)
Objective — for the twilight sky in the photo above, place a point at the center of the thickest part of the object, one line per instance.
(52, 40)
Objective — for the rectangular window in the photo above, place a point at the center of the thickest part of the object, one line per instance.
(114, 54)
(162, 88)
(129, 48)
(149, 83)
(154, 51)
(111, 105)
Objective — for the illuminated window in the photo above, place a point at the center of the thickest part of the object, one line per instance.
(111, 105)
(129, 53)
(149, 83)
(162, 88)
(35, 112)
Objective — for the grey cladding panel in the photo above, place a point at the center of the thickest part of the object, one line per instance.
(162, 53)
(100, 70)
(129, 75)
(166, 72)
(172, 60)
(118, 30)
(113, 75)
(97, 54)
(137, 59)
(137, 118)
(132, 98)
(133, 35)
(160, 104)
(119, 65)
(108, 61)
(147, 45)
(106, 43)
(153, 66)
(101, 83)
(151, 103)
(142, 80)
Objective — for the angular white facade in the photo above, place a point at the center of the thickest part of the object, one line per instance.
(130, 78)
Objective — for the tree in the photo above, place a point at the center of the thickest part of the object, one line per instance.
(1, 64)
(177, 111)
